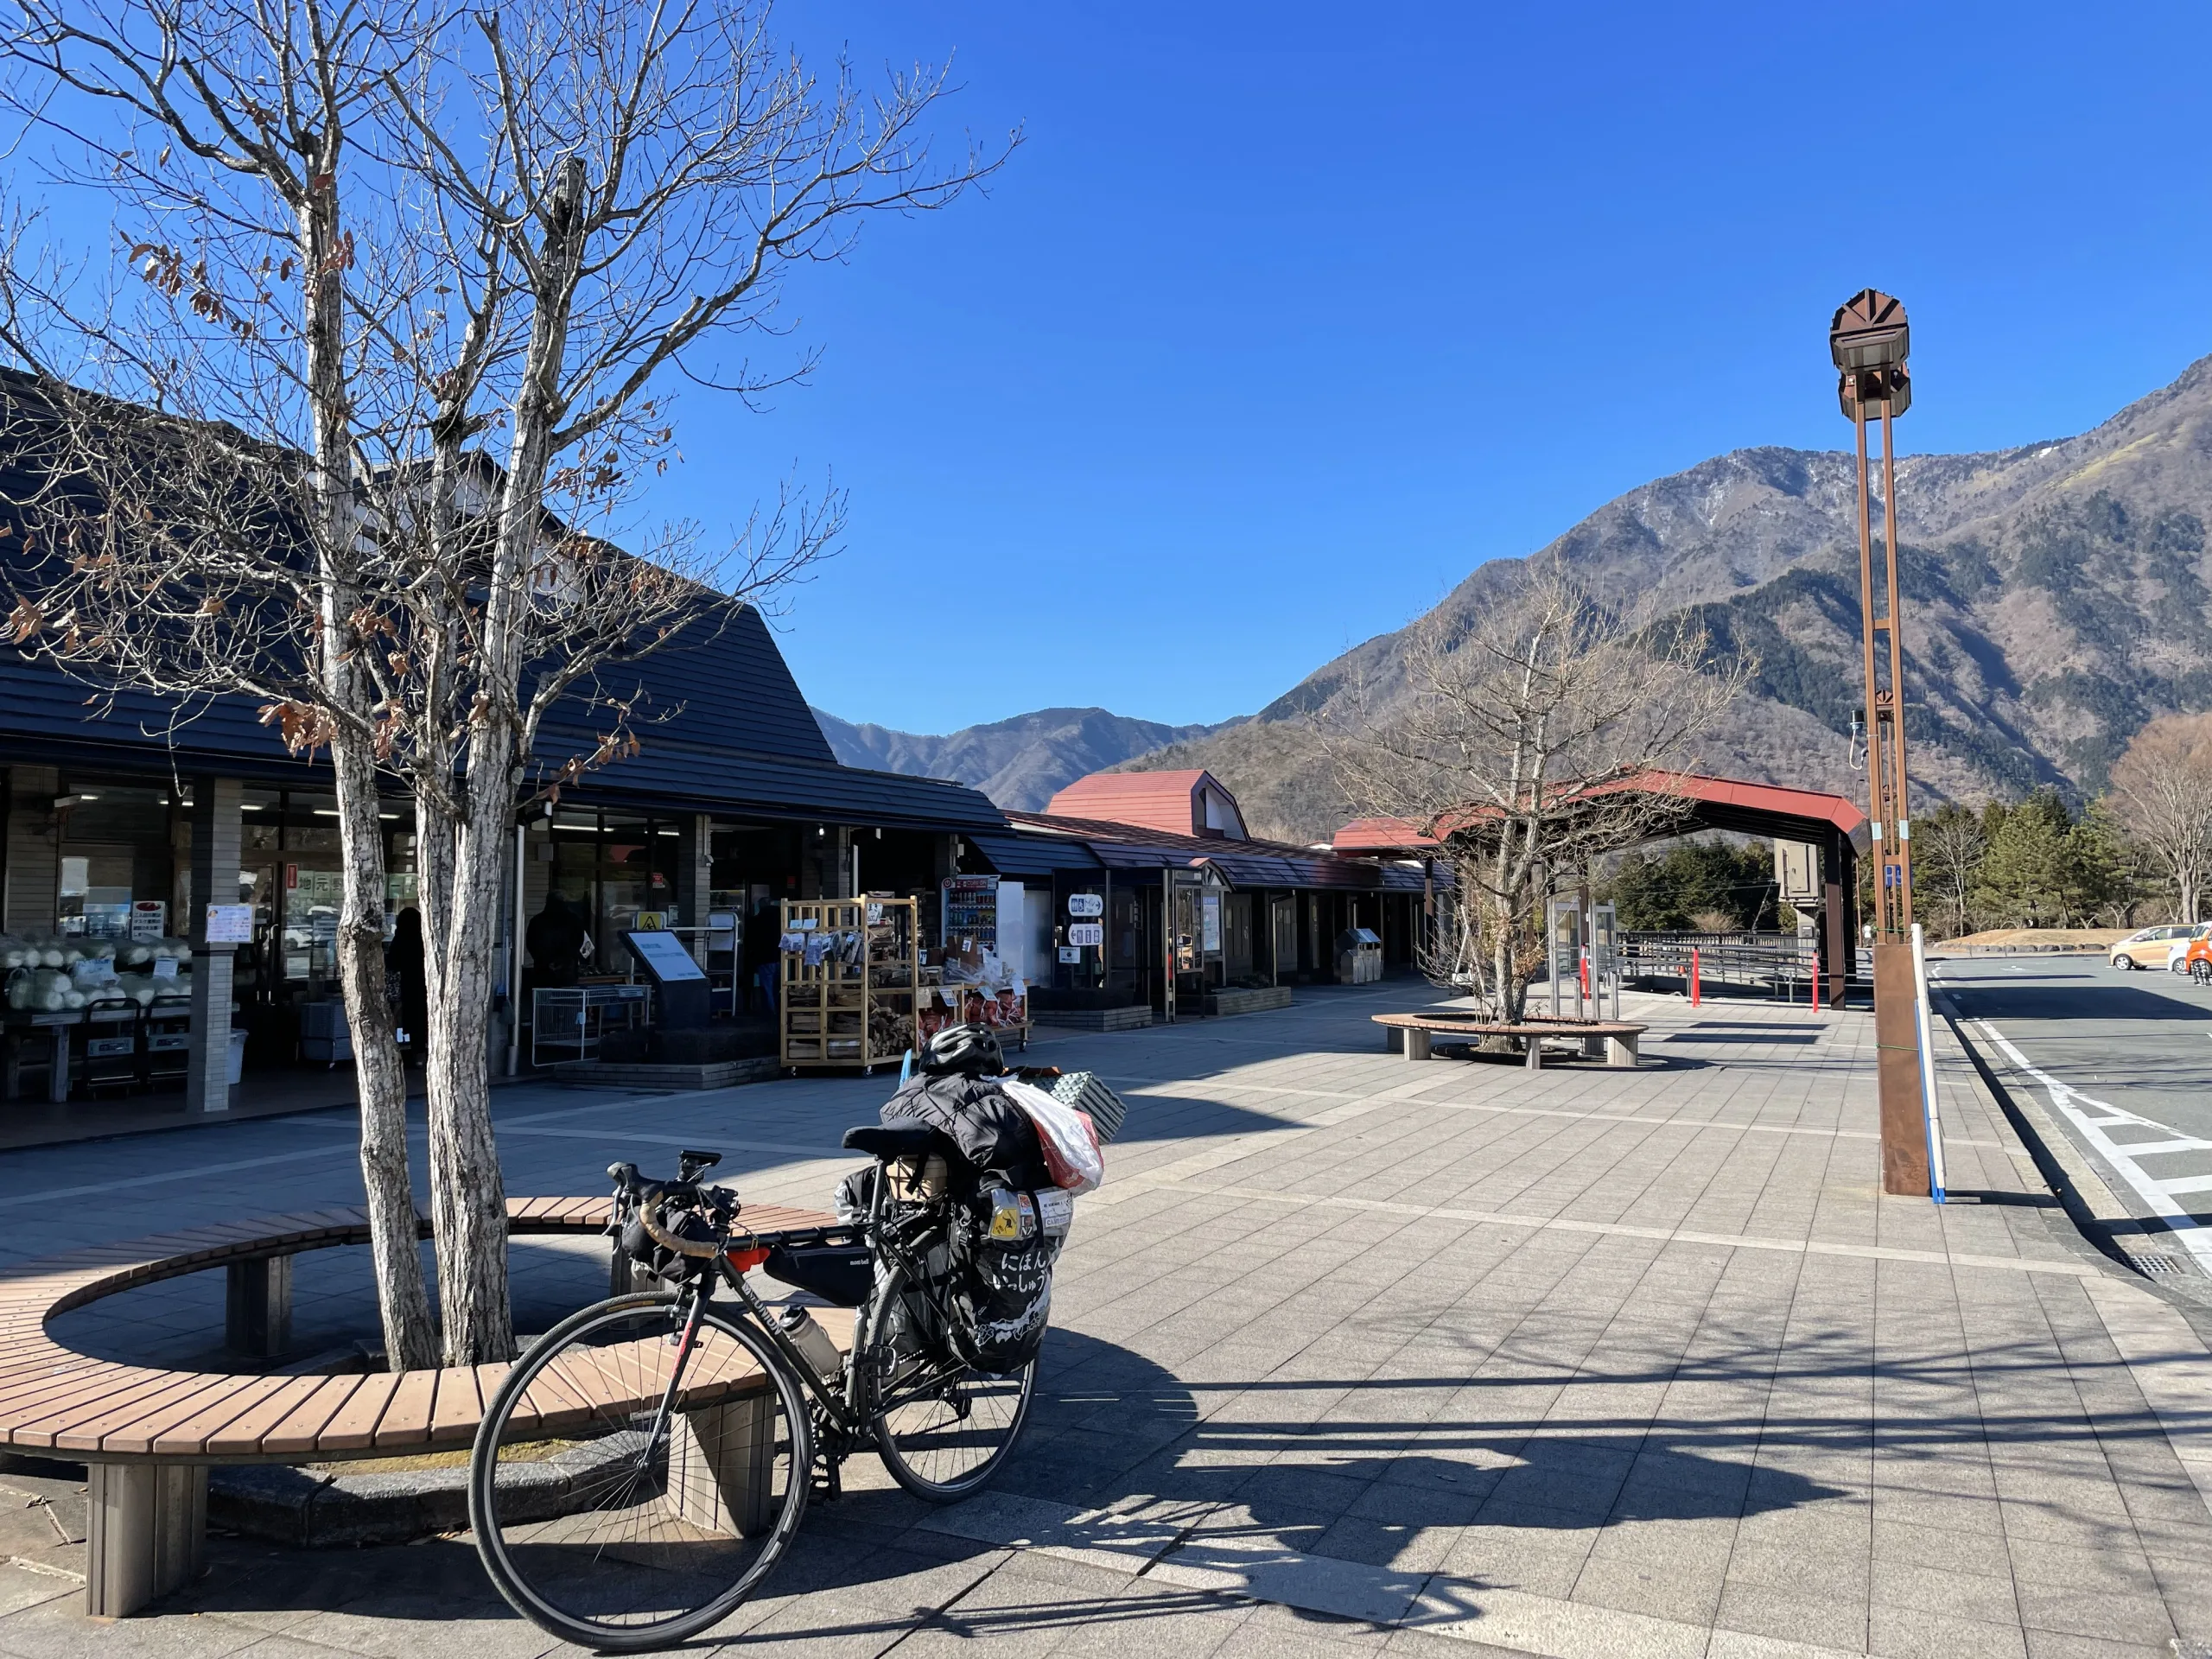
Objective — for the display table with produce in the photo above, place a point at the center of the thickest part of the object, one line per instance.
(92, 1011)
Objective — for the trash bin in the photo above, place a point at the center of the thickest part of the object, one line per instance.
(324, 1035)
(1359, 956)
(238, 1055)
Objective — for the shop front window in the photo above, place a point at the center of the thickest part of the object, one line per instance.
(612, 869)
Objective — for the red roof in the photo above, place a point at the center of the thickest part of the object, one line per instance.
(1380, 836)
(1776, 809)
(1152, 800)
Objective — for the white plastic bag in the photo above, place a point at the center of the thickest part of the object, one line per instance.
(1070, 1144)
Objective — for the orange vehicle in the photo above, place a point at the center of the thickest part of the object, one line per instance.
(2151, 947)
(2198, 963)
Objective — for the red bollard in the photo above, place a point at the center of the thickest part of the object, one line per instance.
(1583, 968)
(1693, 975)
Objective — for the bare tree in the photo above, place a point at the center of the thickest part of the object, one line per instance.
(2162, 795)
(1948, 843)
(1528, 737)
(557, 209)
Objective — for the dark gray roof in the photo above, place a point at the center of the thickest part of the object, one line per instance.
(1241, 863)
(723, 725)
(1017, 854)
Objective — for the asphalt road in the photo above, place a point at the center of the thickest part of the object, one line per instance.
(2123, 1059)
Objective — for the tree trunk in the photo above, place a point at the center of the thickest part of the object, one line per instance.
(468, 1207)
(380, 1074)
(403, 1298)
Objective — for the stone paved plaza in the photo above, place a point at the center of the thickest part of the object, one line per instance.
(1350, 1355)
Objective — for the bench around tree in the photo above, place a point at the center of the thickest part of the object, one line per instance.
(1421, 1030)
(148, 1436)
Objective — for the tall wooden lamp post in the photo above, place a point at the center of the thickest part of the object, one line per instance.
(1869, 340)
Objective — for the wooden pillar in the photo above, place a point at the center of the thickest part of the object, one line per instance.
(722, 1465)
(1897, 1069)
(215, 838)
(147, 1534)
(34, 850)
(1834, 901)
(258, 1307)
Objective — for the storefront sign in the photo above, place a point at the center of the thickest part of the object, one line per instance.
(1083, 933)
(1086, 904)
(1209, 923)
(150, 918)
(230, 924)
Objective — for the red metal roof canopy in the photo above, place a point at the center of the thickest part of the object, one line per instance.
(1715, 803)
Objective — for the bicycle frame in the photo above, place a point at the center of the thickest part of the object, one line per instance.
(849, 1416)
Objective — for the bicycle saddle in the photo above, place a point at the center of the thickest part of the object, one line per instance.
(902, 1137)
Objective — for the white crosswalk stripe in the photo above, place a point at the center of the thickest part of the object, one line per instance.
(2096, 1118)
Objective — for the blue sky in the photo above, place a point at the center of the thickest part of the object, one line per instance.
(1285, 316)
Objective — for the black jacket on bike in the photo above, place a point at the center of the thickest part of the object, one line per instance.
(991, 1132)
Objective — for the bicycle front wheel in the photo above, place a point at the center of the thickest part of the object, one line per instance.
(943, 1430)
(613, 1524)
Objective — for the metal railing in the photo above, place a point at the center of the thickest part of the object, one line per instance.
(1784, 965)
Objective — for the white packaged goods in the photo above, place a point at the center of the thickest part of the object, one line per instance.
(1069, 1142)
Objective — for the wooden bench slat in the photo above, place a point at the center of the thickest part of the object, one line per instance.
(78, 1427)
(406, 1420)
(243, 1434)
(325, 1418)
(460, 1405)
(187, 1423)
(353, 1426)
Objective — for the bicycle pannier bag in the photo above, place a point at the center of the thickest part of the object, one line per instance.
(1001, 1300)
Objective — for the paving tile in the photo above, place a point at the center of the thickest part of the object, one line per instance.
(1895, 1632)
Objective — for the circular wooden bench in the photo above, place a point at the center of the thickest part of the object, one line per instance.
(1419, 1030)
(149, 1436)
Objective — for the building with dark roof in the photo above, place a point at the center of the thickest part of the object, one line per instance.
(1189, 903)
(123, 811)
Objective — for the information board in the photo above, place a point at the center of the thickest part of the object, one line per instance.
(1081, 933)
(663, 956)
(230, 924)
(1085, 905)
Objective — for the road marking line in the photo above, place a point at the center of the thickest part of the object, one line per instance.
(2159, 1195)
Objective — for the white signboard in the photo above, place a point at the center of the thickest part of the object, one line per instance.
(230, 924)
(1080, 933)
(150, 918)
(1071, 953)
(664, 954)
(1209, 923)
(1086, 904)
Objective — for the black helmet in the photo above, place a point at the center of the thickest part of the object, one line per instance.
(971, 1049)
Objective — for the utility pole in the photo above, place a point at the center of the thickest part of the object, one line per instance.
(1869, 340)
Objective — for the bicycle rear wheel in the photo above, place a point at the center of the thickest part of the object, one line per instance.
(943, 1430)
(605, 1534)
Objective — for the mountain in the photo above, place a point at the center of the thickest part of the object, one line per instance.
(2056, 598)
(1019, 763)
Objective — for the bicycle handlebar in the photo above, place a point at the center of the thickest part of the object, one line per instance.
(645, 1196)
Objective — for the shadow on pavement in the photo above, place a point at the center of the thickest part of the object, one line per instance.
(1109, 1428)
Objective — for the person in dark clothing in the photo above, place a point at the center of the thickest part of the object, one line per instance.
(760, 952)
(404, 957)
(555, 941)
